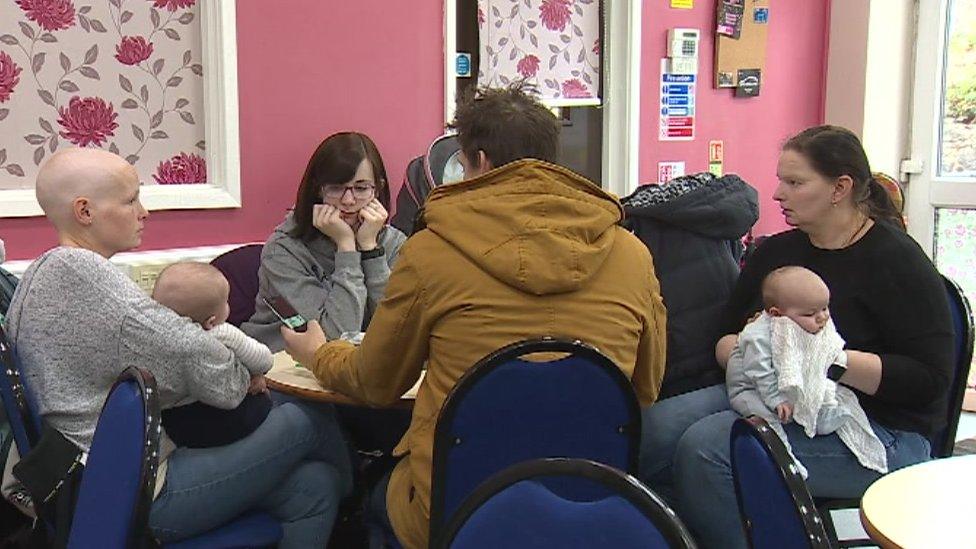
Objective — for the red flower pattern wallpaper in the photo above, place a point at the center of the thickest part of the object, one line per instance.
(122, 75)
(553, 44)
(955, 247)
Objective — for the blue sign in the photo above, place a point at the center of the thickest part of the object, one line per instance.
(679, 78)
(676, 111)
(677, 89)
(463, 65)
(676, 100)
(760, 16)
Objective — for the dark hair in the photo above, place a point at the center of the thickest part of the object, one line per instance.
(507, 123)
(834, 152)
(335, 161)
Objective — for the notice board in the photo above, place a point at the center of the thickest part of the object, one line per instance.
(750, 20)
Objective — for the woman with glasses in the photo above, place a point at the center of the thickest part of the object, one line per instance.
(332, 254)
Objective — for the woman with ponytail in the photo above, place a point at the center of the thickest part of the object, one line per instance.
(888, 303)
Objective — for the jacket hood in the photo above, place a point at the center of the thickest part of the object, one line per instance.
(534, 226)
(716, 207)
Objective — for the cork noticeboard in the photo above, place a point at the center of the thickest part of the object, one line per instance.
(746, 53)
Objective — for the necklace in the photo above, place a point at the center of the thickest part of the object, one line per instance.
(857, 232)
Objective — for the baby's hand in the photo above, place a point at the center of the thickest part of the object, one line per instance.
(258, 385)
(785, 412)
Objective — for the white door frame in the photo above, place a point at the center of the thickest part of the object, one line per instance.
(621, 89)
(927, 190)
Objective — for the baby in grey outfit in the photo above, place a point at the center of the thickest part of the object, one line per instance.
(778, 368)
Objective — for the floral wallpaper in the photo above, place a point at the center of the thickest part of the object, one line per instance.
(553, 44)
(122, 75)
(955, 247)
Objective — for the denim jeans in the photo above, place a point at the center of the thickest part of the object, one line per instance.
(662, 425)
(705, 496)
(381, 534)
(295, 466)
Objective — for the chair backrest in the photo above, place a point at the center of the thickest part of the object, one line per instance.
(774, 504)
(962, 326)
(519, 508)
(441, 163)
(240, 267)
(17, 402)
(117, 485)
(506, 410)
(8, 285)
(438, 166)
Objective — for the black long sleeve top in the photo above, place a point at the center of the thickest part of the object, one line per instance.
(886, 298)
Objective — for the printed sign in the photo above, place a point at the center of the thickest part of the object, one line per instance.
(677, 106)
(683, 4)
(716, 151)
(716, 157)
(750, 82)
(760, 16)
(730, 14)
(666, 171)
(462, 65)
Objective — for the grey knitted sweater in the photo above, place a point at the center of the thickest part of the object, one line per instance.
(77, 322)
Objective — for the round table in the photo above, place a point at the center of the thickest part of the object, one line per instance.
(925, 505)
(289, 377)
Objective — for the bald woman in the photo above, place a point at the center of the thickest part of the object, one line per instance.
(77, 322)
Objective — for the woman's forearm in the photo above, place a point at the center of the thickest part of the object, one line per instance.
(723, 349)
(863, 371)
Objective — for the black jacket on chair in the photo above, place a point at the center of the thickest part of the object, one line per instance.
(693, 227)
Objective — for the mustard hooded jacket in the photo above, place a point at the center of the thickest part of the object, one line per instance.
(527, 250)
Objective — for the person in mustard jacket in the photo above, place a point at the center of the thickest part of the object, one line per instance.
(523, 248)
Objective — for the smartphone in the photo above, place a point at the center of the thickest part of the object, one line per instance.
(286, 313)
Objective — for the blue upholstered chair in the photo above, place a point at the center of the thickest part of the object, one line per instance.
(942, 442)
(17, 401)
(506, 410)
(962, 326)
(564, 503)
(116, 489)
(775, 506)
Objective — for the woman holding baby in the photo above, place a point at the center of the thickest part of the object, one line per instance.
(888, 304)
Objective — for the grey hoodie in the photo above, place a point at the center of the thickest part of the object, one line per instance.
(339, 289)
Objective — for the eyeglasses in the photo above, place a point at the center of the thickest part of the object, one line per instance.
(359, 192)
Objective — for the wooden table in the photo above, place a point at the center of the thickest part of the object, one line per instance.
(289, 377)
(926, 505)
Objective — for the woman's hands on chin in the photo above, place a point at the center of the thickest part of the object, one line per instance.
(328, 221)
(373, 217)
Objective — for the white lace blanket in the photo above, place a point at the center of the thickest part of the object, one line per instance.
(801, 360)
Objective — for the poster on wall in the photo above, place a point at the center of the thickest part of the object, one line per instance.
(551, 44)
(677, 105)
(124, 78)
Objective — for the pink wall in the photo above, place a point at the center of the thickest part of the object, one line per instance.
(753, 129)
(307, 68)
(313, 68)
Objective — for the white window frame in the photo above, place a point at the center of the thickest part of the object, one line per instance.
(927, 190)
(621, 89)
(221, 131)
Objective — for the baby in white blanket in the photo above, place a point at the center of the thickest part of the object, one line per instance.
(778, 369)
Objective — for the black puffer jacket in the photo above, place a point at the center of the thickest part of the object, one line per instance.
(693, 227)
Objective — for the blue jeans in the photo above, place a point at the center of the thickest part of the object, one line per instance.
(295, 466)
(381, 534)
(662, 425)
(705, 496)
